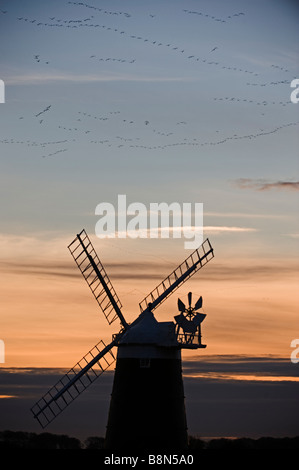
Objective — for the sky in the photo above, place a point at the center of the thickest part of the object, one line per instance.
(161, 101)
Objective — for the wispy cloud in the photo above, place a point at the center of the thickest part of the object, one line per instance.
(262, 185)
(41, 79)
(221, 229)
(179, 232)
(245, 215)
(241, 368)
(151, 270)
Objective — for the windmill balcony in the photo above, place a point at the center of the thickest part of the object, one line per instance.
(190, 341)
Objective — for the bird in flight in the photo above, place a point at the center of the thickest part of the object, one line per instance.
(44, 110)
(214, 49)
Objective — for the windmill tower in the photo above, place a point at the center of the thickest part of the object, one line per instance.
(147, 409)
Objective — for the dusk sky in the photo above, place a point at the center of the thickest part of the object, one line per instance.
(161, 101)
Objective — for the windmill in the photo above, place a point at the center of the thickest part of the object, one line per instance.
(147, 406)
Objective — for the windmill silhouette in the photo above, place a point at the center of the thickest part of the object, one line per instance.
(147, 409)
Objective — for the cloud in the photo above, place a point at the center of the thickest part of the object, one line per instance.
(256, 271)
(36, 79)
(246, 215)
(69, 270)
(254, 367)
(216, 405)
(221, 229)
(179, 232)
(152, 270)
(261, 185)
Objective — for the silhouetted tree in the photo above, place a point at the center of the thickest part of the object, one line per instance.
(25, 440)
(94, 443)
(196, 444)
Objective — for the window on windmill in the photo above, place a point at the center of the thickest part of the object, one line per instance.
(144, 363)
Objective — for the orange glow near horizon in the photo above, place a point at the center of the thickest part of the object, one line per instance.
(246, 377)
(50, 318)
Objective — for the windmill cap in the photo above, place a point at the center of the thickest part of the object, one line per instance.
(148, 330)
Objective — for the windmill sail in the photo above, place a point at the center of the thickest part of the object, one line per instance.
(184, 271)
(72, 384)
(99, 358)
(96, 277)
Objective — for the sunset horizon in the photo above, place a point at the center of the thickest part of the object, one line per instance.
(151, 127)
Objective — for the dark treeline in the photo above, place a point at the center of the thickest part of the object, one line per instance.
(245, 443)
(28, 440)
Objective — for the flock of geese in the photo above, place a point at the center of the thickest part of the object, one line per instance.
(258, 103)
(214, 18)
(117, 120)
(101, 10)
(164, 136)
(90, 23)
